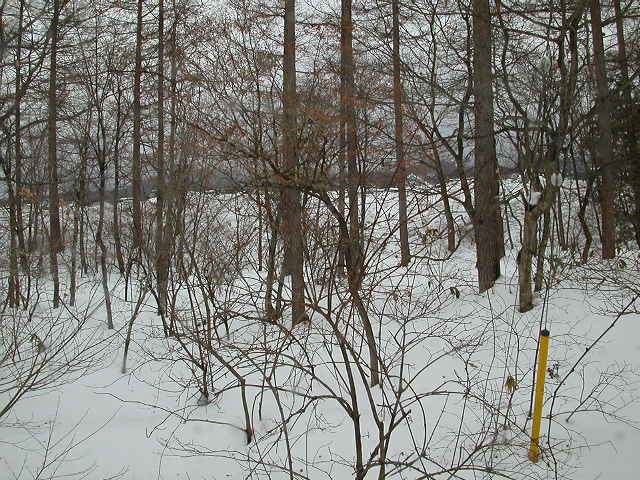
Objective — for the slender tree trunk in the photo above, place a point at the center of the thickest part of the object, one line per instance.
(137, 125)
(292, 211)
(19, 221)
(559, 218)
(342, 171)
(103, 250)
(399, 140)
(55, 235)
(270, 313)
(353, 259)
(77, 214)
(82, 198)
(13, 291)
(162, 255)
(604, 143)
(117, 241)
(487, 218)
(542, 248)
(351, 140)
(631, 140)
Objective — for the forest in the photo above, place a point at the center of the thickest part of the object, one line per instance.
(319, 240)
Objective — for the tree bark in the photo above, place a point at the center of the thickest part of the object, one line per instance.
(55, 235)
(401, 169)
(162, 255)
(137, 125)
(487, 217)
(604, 157)
(631, 139)
(351, 139)
(292, 210)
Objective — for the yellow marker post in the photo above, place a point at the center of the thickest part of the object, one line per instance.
(534, 449)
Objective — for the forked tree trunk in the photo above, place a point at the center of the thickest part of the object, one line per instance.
(353, 260)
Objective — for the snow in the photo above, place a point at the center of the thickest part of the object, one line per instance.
(448, 358)
(533, 198)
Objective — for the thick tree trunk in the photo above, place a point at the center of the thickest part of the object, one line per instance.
(604, 143)
(487, 216)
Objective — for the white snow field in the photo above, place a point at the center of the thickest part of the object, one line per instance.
(445, 409)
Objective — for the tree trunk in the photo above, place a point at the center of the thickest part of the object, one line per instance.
(292, 210)
(542, 247)
(631, 139)
(19, 221)
(604, 157)
(487, 217)
(162, 255)
(117, 242)
(55, 235)
(103, 250)
(351, 140)
(137, 125)
(401, 169)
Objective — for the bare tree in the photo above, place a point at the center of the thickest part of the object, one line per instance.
(399, 138)
(487, 217)
(137, 132)
(603, 151)
(55, 234)
(291, 208)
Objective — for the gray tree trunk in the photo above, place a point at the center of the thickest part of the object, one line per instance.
(292, 210)
(604, 157)
(55, 234)
(401, 167)
(137, 125)
(487, 216)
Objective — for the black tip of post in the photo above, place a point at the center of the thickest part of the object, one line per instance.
(544, 333)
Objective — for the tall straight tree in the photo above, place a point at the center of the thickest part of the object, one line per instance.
(292, 210)
(137, 125)
(631, 139)
(55, 236)
(351, 139)
(400, 158)
(604, 143)
(162, 253)
(18, 152)
(487, 217)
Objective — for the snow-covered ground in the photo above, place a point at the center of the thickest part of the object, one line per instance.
(447, 354)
